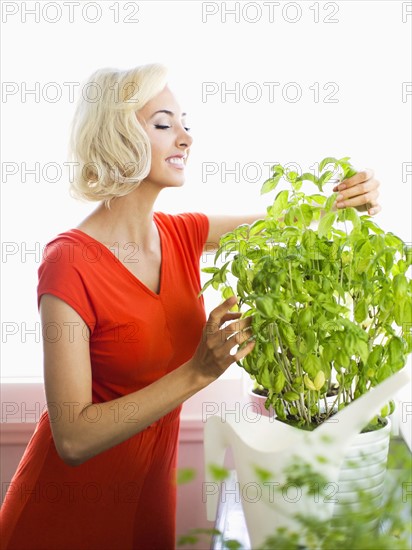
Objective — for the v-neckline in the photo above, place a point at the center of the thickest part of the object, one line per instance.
(128, 272)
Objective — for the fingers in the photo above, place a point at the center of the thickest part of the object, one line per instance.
(213, 354)
(369, 198)
(236, 340)
(221, 311)
(360, 177)
(229, 330)
(375, 210)
(230, 317)
(361, 191)
(241, 353)
(229, 333)
(224, 340)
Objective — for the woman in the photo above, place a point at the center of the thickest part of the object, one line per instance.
(124, 332)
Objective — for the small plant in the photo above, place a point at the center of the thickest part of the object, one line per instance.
(331, 303)
(371, 525)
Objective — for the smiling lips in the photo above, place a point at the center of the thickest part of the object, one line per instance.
(178, 161)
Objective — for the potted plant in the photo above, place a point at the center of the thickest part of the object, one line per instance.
(331, 303)
(325, 302)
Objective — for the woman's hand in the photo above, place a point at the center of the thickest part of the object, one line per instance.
(359, 191)
(213, 356)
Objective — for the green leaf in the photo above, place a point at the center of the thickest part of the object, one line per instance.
(352, 215)
(265, 306)
(393, 240)
(192, 537)
(308, 383)
(309, 239)
(407, 313)
(307, 176)
(210, 269)
(326, 223)
(305, 318)
(375, 357)
(296, 185)
(400, 286)
(383, 373)
(264, 376)
(257, 226)
(342, 358)
(307, 341)
(328, 353)
(187, 539)
(232, 544)
(291, 176)
(270, 184)
(408, 255)
(288, 334)
(372, 226)
(218, 473)
(361, 311)
(319, 380)
(278, 382)
(312, 365)
(227, 292)
(398, 312)
(307, 212)
(278, 169)
(389, 257)
(262, 474)
(280, 203)
(291, 396)
(363, 350)
(395, 352)
(362, 265)
(185, 475)
(326, 161)
(319, 199)
(324, 178)
(348, 171)
(330, 202)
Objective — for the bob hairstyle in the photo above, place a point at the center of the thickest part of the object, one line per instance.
(108, 146)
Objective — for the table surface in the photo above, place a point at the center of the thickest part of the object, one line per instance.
(230, 520)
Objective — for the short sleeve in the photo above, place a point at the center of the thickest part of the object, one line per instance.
(60, 274)
(195, 228)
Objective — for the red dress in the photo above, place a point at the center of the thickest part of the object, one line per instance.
(125, 497)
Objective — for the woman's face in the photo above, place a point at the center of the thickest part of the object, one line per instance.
(165, 125)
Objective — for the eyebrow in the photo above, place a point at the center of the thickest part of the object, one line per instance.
(165, 111)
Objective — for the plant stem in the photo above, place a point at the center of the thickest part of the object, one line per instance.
(305, 410)
(290, 277)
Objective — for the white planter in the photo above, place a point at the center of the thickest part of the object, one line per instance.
(364, 467)
(272, 446)
(259, 403)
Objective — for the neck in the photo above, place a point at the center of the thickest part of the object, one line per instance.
(129, 218)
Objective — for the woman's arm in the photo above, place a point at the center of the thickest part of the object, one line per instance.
(219, 225)
(361, 191)
(77, 434)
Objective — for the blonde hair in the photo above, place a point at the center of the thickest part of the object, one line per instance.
(108, 145)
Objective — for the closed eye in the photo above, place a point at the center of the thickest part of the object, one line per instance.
(165, 127)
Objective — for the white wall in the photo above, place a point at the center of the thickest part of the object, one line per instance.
(365, 54)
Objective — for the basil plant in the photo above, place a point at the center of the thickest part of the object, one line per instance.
(328, 292)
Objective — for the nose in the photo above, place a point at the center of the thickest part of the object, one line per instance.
(184, 139)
